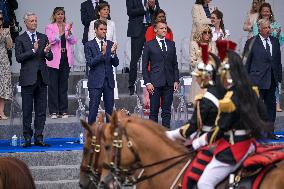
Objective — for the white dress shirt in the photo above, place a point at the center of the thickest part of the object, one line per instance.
(99, 42)
(264, 43)
(95, 2)
(216, 34)
(159, 41)
(110, 35)
(30, 35)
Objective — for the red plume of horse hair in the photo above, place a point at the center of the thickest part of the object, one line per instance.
(205, 53)
(223, 46)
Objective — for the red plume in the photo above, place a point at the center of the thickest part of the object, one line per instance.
(205, 53)
(223, 46)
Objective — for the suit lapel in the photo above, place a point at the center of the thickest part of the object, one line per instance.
(272, 45)
(91, 9)
(27, 39)
(164, 54)
(260, 43)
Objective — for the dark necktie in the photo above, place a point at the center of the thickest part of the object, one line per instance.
(267, 47)
(33, 38)
(102, 44)
(163, 46)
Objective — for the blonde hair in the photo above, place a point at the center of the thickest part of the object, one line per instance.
(199, 32)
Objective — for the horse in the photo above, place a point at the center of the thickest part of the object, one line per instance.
(15, 174)
(131, 140)
(94, 149)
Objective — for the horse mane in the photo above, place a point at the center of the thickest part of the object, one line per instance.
(15, 174)
(156, 129)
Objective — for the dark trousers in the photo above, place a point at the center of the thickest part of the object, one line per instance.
(137, 44)
(34, 96)
(166, 94)
(268, 96)
(95, 99)
(58, 88)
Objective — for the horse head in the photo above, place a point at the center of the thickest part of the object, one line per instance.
(91, 165)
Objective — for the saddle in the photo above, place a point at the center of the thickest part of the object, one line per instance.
(249, 175)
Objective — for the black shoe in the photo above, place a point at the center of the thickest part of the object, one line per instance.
(131, 90)
(27, 143)
(41, 144)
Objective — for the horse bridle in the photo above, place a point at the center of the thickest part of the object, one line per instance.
(124, 176)
(93, 170)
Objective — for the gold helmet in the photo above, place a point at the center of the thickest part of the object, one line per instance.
(205, 68)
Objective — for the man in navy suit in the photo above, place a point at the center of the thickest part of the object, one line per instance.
(32, 51)
(100, 56)
(140, 13)
(162, 80)
(264, 65)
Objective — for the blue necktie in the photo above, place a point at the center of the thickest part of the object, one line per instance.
(267, 47)
(102, 44)
(163, 46)
(33, 38)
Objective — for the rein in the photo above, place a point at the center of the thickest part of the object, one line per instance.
(92, 169)
(123, 174)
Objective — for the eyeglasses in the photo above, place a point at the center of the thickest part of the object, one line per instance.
(207, 32)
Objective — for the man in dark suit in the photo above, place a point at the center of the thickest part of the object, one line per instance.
(89, 11)
(100, 56)
(32, 51)
(140, 13)
(162, 80)
(264, 65)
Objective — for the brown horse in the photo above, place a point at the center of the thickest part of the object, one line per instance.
(146, 142)
(14, 174)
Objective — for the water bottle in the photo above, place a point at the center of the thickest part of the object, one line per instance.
(81, 138)
(14, 140)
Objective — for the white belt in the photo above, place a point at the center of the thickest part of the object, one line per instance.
(206, 128)
(232, 133)
(212, 98)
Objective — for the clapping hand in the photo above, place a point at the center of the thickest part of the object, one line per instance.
(47, 48)
(104, 48)
(70, 28)
(36, 45)
(151, 3)
(113, 48)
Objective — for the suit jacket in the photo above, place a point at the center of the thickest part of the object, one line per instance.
(260, 65)
(163, 66)
(52, 32)
(199, 17)
(100, 65)
(136, 12)
(32, 62)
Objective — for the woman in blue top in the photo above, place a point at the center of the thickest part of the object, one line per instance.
(265, 12)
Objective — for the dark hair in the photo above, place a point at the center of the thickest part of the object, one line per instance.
(98, 23)
(200, 2)
(248, 100)
(102, 5)
(55, 10)
(161, 21)
(156, 13)
(219, 15)
(271, 19)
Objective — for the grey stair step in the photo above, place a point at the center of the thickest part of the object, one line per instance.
(61, 184)
(55, 173)
(50, 158)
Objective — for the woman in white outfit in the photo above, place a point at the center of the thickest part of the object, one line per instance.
(102, 14)
(218, 30)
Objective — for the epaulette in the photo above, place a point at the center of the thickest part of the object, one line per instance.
(198, 97)
(183, 129)
(255, 89)
(226, 104)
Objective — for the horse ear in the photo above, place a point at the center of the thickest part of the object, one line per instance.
(86, 125)
(101, 118)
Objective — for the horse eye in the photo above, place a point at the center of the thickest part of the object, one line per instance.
(107, 147)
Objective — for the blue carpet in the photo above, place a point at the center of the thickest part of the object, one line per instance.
(57, 144)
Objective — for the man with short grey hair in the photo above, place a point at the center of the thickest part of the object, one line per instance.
(32, 50)
(264, 65)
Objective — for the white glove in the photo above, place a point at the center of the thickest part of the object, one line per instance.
(200, 142)
(174, 135)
